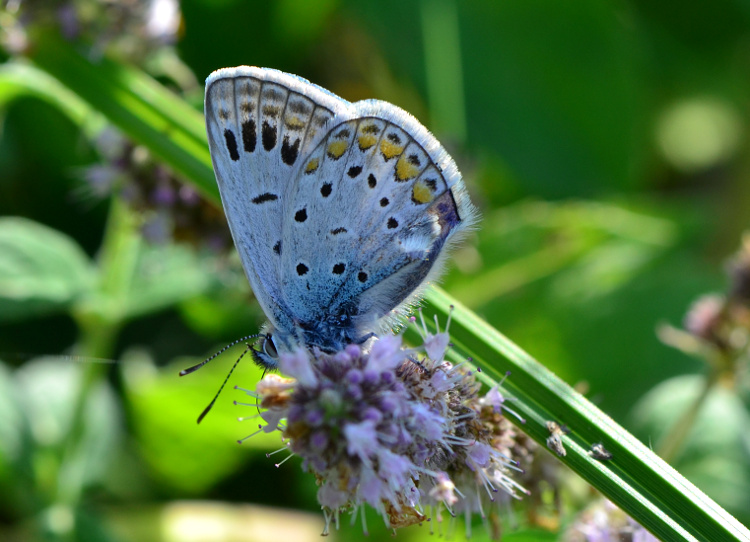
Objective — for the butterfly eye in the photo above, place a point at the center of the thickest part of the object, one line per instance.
(269, 348)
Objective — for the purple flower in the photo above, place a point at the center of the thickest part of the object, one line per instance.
(604, 522)
(361, 440)
(297, 365)
(409, 437)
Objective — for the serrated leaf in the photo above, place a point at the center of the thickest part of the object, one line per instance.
(49, 389)
(164, 409)
(714, 455)
(41, 269)
(165, 276)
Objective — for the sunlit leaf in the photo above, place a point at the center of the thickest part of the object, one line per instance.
(164, 409)
(41, 270)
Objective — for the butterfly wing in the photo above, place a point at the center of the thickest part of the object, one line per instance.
(260, 123)
(367, 222)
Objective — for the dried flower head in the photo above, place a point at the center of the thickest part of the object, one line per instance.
(705, 317)
(131, 29)
(409, 435)
(170, 209)
(739, 274)
(603, 521)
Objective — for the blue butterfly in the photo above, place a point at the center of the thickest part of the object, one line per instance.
(341, 212)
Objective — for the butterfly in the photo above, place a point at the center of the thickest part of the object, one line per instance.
(341, 212)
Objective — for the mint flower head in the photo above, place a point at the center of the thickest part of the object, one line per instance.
(603, 522)
(406, 433)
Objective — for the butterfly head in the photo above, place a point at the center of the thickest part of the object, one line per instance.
(265, 352)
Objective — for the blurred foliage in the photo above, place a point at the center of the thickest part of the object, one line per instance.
(605, 143)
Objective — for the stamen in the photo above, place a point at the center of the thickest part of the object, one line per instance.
(243, 439)
(291, 455)
(364, 521)
(269, 454)
(450, 316)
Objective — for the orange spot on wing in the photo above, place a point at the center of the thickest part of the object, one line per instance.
(405, 170)
(390, 149)
(421, 193)
(337, 148)
(366, 141)
(312, 165)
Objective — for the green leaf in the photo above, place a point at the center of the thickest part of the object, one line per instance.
(48, 390)
(11, 422)
(41, 269)
(166, 275)
(164, 409)
(635, 479)
(18, 80)
(16, 473)
(715, 455)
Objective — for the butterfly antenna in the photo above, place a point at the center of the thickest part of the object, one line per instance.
(230, 345)
(211, 404)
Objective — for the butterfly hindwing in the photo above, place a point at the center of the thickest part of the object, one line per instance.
(367, 217)
(340, 212)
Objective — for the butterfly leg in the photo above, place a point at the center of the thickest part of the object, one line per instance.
(364, 338)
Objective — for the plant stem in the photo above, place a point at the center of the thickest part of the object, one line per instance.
(670, 445)
(99, 319)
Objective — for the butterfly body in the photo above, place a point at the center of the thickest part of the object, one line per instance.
(341, 212)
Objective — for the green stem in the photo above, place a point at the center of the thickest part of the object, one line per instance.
(670, 445)
(99, 319)
(442, 51)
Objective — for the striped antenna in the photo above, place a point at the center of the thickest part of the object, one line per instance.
(211, 404)
(202, 363)
(230, 345)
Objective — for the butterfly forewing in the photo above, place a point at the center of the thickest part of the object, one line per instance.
(259, 124)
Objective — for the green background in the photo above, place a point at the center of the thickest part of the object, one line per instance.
(605, 144)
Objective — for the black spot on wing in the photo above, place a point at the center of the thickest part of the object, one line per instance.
(289, 152)
(277, 247)
(302, 269)
(392, 223)
(249, 138)
(301, 215)
(269, 136)
(362, 276)
(339, 268)
(372, 182)
(299, 107)
(383, 202)
(272, 94)
(231, 143)
(326, 190)
(338, 231)
(262, 198)
(354, 171)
